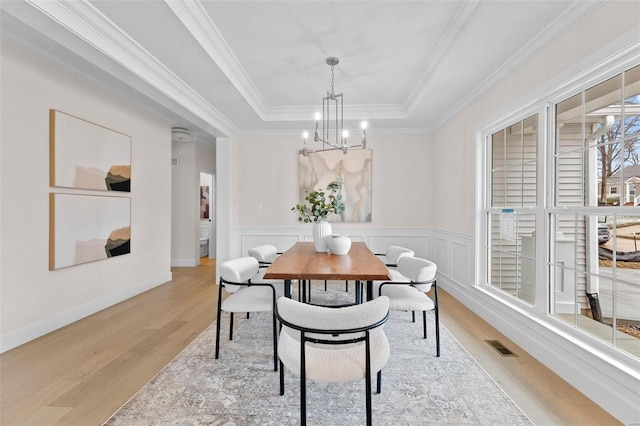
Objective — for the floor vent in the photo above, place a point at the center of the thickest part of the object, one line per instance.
(502, 350)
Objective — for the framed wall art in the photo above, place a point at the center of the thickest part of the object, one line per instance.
(85, 155)
(86, 228)
(318, 169)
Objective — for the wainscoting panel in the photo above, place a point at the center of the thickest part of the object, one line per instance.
(377, 239)
(416, 242)
(441, 255)
(452, 252)
(282, 241)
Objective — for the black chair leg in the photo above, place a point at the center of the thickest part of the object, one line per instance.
(368, 399)
(413, 316)
(218, 322)
(325, 285)
(230, 325)
(367, 372)
(303, 399)
(379, 382)
(437, 312)
(424, 323)
(275, 344)
(281, 378)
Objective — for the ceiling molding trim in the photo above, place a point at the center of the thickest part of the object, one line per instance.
(370, 131)
(351, 112)
(89, 24)
(563, 23)
(195, 18)
(429, 73)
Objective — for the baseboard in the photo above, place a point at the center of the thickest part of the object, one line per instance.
(601, 373)
(31, 332)
(184, 263)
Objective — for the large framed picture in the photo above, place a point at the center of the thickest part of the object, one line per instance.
(85, 155)
(318, 169)
(86, 228)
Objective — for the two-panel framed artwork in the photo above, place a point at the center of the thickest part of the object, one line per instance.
(86, 225)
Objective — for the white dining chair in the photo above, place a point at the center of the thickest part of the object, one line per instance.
(248, 292)
(333, 344)
(408, 288)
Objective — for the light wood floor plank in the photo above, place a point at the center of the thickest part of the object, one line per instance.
(83, 373)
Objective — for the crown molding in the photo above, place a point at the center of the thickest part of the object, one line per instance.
(427, 76)
(196, 20)
(370, 131)
(563, 23)
(89, 24)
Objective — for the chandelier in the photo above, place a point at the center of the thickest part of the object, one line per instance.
(334, 135)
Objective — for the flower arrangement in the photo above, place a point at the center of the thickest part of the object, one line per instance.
(320, 204)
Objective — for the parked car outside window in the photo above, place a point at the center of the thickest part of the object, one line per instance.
(603, 233)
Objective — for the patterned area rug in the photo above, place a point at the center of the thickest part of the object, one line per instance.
(241, 387)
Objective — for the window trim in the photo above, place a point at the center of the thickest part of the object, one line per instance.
(544, 105)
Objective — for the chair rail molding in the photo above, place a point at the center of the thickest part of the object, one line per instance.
(420, 240)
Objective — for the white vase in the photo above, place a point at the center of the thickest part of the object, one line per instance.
(321, 230)
(338, 244)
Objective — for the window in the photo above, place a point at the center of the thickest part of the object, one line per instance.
(595, 279)
(584, 215)
(513, 176)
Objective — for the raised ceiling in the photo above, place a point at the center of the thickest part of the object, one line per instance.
(244, 67)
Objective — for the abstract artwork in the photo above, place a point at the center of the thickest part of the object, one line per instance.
(84, 155)
(204, 202)
(86, 228)
(318, 169)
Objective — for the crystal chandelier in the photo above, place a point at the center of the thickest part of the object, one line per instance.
(334, 135)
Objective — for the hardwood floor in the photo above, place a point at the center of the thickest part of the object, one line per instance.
(83, 373)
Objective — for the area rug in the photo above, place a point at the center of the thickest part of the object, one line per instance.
(241, 388)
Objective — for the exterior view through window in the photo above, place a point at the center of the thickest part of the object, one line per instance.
(590, 221)
(595, 257)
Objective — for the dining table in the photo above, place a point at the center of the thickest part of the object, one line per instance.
(303, 262)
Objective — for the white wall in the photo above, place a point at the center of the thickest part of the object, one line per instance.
(35, 300)
(265, 172)
(607, 377)
(184, 205)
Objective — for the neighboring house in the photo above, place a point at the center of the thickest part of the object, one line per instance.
(627, 186)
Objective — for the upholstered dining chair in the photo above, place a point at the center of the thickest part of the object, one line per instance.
(248, 292)
(407, 290)
(264, 254)
(393, 253)
(390, 259)
(333, 344)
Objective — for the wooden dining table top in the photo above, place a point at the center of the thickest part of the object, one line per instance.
(302, 261)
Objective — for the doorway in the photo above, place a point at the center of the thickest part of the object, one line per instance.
(206, 222)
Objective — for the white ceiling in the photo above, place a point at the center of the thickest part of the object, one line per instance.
(225, 67)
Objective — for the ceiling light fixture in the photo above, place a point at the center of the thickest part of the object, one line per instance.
(180, 134)
(332, 105)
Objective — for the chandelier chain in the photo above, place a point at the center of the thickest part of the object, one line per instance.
(332, 92)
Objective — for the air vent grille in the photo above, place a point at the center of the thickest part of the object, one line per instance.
(498, 346)
(175, 161)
